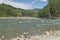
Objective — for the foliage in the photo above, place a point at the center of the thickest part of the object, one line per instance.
(44, 13)
(9, 11)
(51, 10)
(54, 7)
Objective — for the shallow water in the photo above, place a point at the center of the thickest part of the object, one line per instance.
(12, 28)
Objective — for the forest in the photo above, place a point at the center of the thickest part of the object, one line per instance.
(51, 10)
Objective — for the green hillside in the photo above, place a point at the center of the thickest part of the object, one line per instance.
(6, 10)
(9, 11)
(52, 10)
(34, 11)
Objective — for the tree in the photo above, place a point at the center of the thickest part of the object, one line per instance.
(44, 13)
(54, 7)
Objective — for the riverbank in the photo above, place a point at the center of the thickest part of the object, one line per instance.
(48, 35)
(18, 18)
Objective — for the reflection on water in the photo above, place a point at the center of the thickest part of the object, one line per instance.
(15, 27)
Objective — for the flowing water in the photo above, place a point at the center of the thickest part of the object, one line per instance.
(11, 27)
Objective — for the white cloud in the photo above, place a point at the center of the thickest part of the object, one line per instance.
(44, 0)
(33, 2)
(16, 4)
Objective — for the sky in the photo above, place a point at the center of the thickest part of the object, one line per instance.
(26, 4)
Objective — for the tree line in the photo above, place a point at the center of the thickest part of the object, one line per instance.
(9, 11)
(52, 10)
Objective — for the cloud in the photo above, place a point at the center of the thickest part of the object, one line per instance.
(16, 4)
(44, 0)
(33, 2)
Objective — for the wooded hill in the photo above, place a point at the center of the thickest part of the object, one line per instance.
(9, 11)
(52, 10)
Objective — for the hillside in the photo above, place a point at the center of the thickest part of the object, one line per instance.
(34, 11)
(9, 11)
(52, 10)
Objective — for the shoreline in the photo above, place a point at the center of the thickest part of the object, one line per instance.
(18, 18)
(48, 35)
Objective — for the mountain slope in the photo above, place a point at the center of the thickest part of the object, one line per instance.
(9, 11)
(6, 10)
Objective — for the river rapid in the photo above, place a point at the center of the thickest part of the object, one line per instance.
(13, 27)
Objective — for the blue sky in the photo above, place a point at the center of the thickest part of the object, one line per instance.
(25, 4)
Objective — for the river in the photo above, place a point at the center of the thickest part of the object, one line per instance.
(14, 27)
